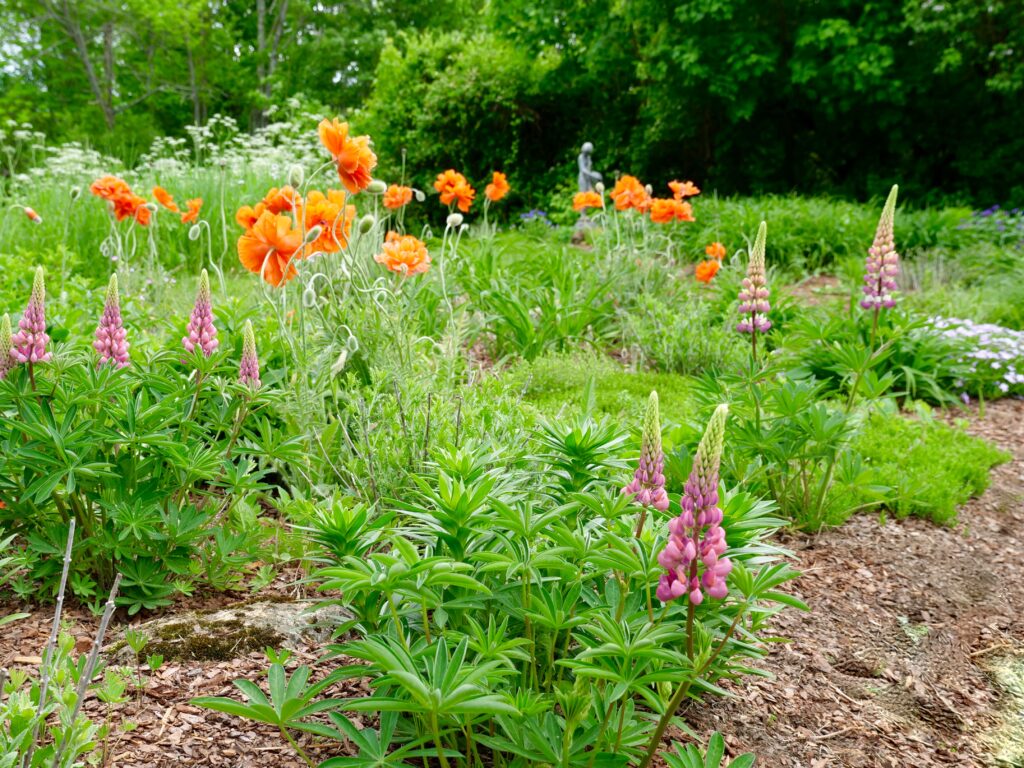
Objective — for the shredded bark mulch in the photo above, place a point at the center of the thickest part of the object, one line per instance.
(888, 669)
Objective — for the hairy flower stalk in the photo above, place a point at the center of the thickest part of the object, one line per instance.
(110, 341)
(883, 263)
(696, 536)
(753, 296)
(249, 367)
(29, 343)
(648, 484)
(201, 332)
(6, 345)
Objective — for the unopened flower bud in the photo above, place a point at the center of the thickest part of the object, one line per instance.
(296, 175)
(339, 364)
(75, 192)
(352, 344)
(418, 194)
(151, 207)
(194, 231)
(313, 234)
(599, 187)
(366, 223)
(376, 187)
(454, 220)
(309, 298)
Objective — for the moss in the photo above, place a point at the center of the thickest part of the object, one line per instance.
(201, 640)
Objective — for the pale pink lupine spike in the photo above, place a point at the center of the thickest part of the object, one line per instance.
(249, 366)
(883, 262)
(110, 342)
(201, 331)
(6, 346)
(754, 306)
(648, 484)
(30, 340)
(696, 537)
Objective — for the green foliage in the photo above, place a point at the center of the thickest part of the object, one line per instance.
(930, 468)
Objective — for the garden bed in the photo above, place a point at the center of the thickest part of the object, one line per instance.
(891, 667)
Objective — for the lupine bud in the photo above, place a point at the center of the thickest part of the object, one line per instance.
(753, 296)
(194, 232)
(454, 220)
(249, 367)
(366, 223)
(110, 341)
(648, 485)
(29, 343)
(696, 537)
(377, 187)
(201, 332)
(296, 175)
(6, 361)
(883, 263)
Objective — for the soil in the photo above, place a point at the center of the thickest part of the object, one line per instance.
(893, 666)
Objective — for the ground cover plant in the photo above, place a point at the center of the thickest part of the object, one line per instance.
(541, 472)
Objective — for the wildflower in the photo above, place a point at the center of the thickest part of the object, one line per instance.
(454, 188)
(110, 341)
(715, 251)
(583, 200)
(628, 193)
(124, 203)
(248, 215)
(665, 211)
(696, 537)
(648, 484)
(683, 189)
(201, 332)
(754, 293)
(281, 200)
(883, 261)
(706, 270)
(498, 187)
(6, 346)
(353, 155)
(332, 216)
(397, 197)
(33, 216)
(404, 254)
(270, 248)
(193, 210)
(28, 345)
(163, 197)
(249, 366)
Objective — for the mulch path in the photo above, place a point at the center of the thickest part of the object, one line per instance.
(888, 668)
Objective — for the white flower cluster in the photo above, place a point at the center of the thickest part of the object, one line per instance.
(993, 355)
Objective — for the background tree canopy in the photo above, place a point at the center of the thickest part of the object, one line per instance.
(840, 96)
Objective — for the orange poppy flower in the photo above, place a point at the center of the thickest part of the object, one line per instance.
(707, 270)
(271, 247)
(193, 210)
(125, 203)
(332, 216)
(281, 200)
(583, 200)
(666, 210)
(247, 215)
(32, 215)
(404, 254)
(630, 193)
(353, 155)
(163, 197)
(715, 251)
(397, 196)
(454, 188)
(682, 189)
(498, 187)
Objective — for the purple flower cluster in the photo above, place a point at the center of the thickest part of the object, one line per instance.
(753, 296)
(648, 484)
(110, 342)
(201, 331)
(991, 356)
(883, 262)
(999, 225)
(29, 343)
(537, 215)
(696, 538)
(249, 366)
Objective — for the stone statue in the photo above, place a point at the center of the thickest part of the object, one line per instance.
(588, 176)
